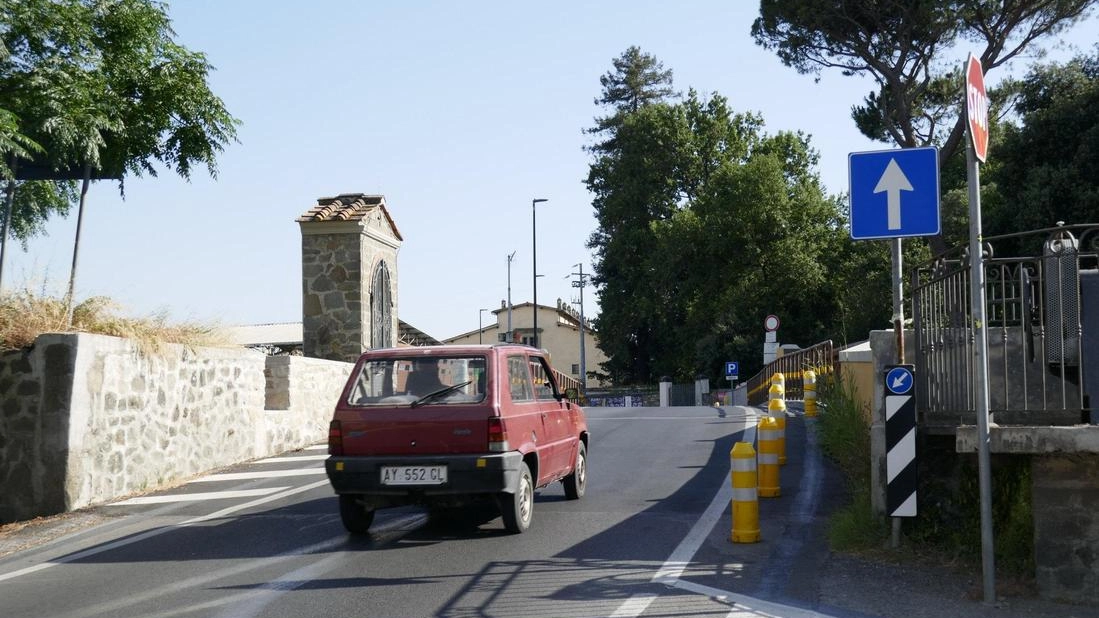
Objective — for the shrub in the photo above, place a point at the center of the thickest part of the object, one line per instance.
(24, 315)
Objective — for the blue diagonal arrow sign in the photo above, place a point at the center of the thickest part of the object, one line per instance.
(894, 193)
(899, 380)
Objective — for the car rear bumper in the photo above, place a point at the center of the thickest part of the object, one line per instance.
(467, 475)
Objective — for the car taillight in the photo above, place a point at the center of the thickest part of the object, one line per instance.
(335, 438)
(497, 435)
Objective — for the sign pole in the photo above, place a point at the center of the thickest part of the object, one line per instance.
(980, 371)
(898, 331)
(977, 104)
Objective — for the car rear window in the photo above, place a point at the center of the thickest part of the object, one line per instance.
(392, 381)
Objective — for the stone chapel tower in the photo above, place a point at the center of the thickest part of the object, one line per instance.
(349, 249)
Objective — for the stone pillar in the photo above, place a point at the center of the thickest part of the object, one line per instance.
(349, 248)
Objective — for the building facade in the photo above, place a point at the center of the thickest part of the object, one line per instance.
(558, 333)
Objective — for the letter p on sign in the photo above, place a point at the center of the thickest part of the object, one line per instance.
(976, 107)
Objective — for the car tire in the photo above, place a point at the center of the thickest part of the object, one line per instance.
(577, 482)
(356, 517)
(517, 509)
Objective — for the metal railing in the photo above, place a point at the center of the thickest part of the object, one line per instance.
(1035, 329)
(566, 382)
(821, 358)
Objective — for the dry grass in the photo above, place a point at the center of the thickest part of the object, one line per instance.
(24, 315)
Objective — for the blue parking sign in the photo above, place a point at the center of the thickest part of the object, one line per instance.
(732, 369)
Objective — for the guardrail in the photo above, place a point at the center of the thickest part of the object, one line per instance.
(821, 358)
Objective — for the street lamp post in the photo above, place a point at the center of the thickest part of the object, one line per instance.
(508, 338)
(534, 260)
(480, 325)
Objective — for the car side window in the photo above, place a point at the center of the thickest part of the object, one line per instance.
(519, 379)
(543, 387)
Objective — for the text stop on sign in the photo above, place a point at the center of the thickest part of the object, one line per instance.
(976, 107)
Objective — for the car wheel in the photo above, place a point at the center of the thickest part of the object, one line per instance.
(356, 517)
(517, 509)
(577, 482)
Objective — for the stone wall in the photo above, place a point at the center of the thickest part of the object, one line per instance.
(301, 395)
(1065, 503)
(88, 418)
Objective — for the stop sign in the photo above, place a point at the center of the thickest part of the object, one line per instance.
(976, 107)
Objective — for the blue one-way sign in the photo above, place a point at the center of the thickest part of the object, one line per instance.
(894, 193)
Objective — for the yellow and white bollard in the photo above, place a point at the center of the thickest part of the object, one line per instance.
(810, 388)
(777, 409)
(768, 463)
(745, 498)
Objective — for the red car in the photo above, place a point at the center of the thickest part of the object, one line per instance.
(447, 426)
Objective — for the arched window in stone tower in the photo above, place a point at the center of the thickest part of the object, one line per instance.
(381, 308)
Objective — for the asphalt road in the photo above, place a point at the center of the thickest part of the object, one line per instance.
(650, 538)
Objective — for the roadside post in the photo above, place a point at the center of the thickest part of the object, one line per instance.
(776, 407)
(745, 497)
(976, 111)
(767, 432)
(900, 442)
(810, 387)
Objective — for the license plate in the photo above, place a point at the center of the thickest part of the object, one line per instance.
(413, 475)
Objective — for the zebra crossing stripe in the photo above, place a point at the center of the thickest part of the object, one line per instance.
(900, 445)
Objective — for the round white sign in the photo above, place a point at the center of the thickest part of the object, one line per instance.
(771, 323)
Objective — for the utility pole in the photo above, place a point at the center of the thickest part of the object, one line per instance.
(508, 337)
(580, 283)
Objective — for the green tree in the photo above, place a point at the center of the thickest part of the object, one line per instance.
(901, 45)
(632, 178)
(705, 225)
(1047, 163)
(101, 86)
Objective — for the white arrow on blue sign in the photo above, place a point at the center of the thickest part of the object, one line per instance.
(898, 380)
(732, 369)
(894, 193)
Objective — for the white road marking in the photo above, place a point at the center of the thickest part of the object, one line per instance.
(709, 417)
(291, 459)
(209, 495)
(670, 572)
(148, 534)
(634, 606)
(259, 474)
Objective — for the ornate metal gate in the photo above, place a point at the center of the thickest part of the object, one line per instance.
(1039, 308)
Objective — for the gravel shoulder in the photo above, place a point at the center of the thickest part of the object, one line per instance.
(875, 586)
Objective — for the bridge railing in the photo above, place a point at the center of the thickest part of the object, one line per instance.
(565, 383)
(822, 358)
(1042, 295)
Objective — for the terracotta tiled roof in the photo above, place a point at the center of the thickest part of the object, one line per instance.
(347, 207)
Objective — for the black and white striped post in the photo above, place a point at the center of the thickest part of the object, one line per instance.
(900, 442)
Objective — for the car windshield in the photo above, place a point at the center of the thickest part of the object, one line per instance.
(395, 381)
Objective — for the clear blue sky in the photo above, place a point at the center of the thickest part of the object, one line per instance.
(459, 113)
